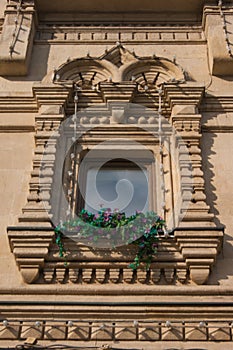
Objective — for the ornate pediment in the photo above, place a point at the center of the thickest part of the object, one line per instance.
(119, 65)
(119, 55)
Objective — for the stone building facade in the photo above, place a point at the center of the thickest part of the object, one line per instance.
(142, 82)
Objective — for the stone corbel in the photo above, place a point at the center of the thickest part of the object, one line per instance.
(16, 40)
(30, 245)
(199, 247)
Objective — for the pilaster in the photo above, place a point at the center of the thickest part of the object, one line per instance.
(30, 240)
(198, 238)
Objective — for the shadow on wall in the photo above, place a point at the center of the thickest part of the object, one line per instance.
(207, 142)
(210, 109)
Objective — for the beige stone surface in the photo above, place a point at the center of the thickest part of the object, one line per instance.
(15, 166)
(202, 111)
(218, 167)
(46, 58)
(115, 6)
(2, 7)
(146, 345)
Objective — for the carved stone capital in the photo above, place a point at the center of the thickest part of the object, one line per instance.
(183, 98)
(51, 96)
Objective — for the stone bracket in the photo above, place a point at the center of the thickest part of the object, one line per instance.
(199, 247)
(30, 246)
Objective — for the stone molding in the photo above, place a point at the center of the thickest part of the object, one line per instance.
(186, 258)
(13, 128)
(118, 65)
(148, 35)
(152, 330)
(18, 104)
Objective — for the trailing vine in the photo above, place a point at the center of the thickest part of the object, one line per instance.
(140, 229)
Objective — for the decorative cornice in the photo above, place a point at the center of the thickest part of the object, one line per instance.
(135, 34)
(183, 93)
(51, 94)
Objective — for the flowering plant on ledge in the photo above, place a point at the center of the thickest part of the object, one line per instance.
(113, 227)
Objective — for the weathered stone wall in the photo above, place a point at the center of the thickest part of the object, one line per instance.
(203, 60)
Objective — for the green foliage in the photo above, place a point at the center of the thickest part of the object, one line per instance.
(140, 229)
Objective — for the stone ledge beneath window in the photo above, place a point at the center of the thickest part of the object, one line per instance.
(184, 258)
